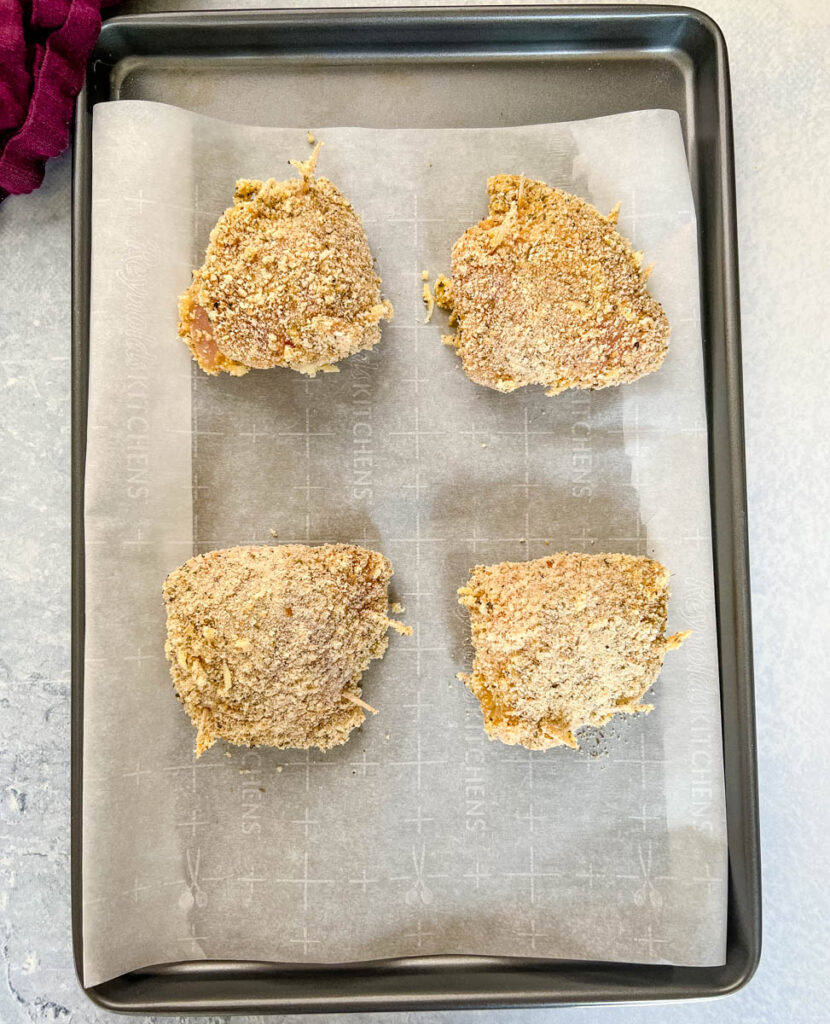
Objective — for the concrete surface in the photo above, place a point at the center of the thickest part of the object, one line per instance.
(779, 64)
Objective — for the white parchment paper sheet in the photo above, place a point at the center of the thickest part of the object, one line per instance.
(419, 835)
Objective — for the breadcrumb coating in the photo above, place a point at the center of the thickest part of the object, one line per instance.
(565, 641)
(267, 645)
(288, 280)
(546, 291)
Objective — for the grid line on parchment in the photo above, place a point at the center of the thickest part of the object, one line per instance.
(526, 454)
(417, 395)
(198, 487)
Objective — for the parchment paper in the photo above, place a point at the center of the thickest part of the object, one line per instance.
(419, 835)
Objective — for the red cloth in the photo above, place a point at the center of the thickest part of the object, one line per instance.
(44, 47)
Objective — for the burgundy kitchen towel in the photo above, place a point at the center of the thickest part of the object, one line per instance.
(44, 46)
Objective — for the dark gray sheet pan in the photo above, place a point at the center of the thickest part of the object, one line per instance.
(455, 67)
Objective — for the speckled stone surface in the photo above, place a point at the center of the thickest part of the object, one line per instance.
(778, 51)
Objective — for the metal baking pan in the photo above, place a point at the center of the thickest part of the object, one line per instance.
(454, 67)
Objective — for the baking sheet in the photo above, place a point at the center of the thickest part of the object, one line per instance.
(418, 836)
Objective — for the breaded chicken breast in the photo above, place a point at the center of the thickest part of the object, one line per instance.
(267, 645)
(546, 291)
(563, 642)
(288, 280)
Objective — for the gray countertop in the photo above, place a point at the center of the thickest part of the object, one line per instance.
(778, 54)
